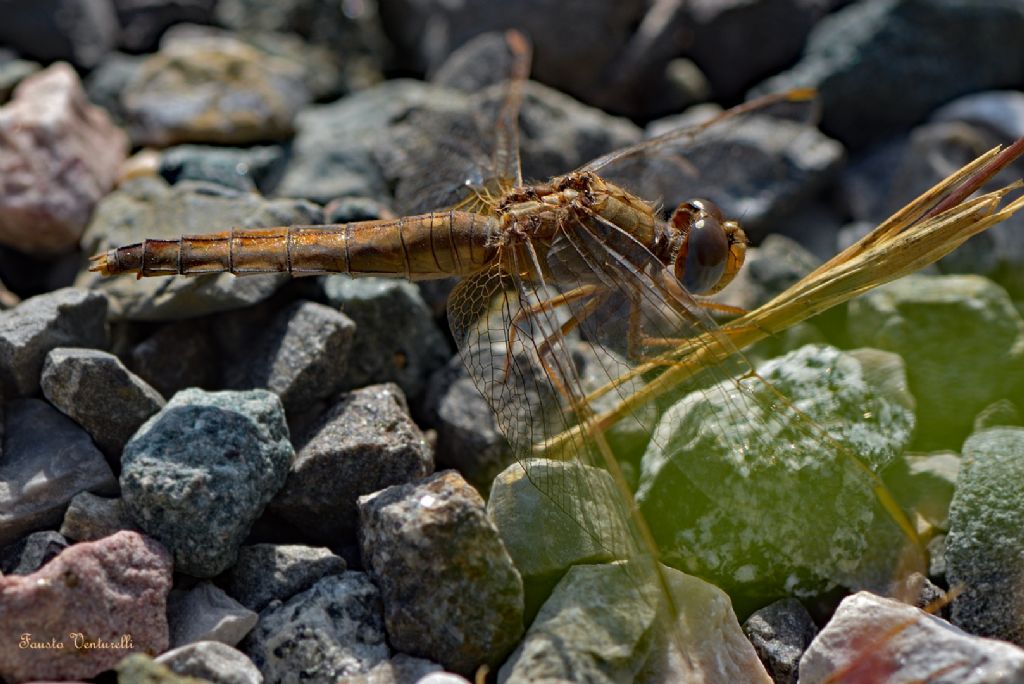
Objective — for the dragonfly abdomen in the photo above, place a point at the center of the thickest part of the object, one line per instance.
(434, 245)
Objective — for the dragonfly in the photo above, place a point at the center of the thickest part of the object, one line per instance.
(581, 264)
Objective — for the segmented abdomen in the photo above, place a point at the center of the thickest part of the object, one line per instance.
(434, 245)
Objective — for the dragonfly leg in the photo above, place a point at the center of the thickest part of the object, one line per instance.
(540, 307)
(637, 340)
(721, 308)
(548, 342)
(649, 349)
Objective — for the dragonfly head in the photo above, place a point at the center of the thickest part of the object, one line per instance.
(711, 249)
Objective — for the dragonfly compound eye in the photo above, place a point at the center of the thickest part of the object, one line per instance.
(704, 253)
(711, 249)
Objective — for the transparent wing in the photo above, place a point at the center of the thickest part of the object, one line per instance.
(448, 159)
(741, 482)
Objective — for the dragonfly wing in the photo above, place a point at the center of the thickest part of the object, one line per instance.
(770, 476)
(438, 158)
(453, 155)
(529, 372)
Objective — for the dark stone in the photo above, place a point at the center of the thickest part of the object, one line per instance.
(144, 21)
(78, 31)
(204, 468)
(869, 56)
(468, 438)
(31, 552)
(47, 460)
(302, 356)
(364, 443)
(396, 338)
(780, 633)
(69, 317)
(331, 631)
(90, 517)
(248, 169)
(177, 356)
(471, 612)
(94, 389)
(276, 572)
(736, 43)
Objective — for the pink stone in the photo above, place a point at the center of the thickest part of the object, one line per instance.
(112, 591)
(59, 155)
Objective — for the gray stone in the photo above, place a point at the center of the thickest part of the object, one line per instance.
(90, 517)
(953, 135)
(434, 151)
(95, 390)
(248, 169)
(741, 484)
(107, 82)
(213, 89)
(880, 639)
(351, 31)
(144, 21)
(396, 338)
(66, 318)
(576, 61)
(332, 630)
(865, 57)
(31, 552)
(356, 125)
(471, 612)
(327, 75)
(204, 468)
(301, 356)
(150, 208)
(426, 141)
(552, 515)
(79, 31)
(958, 334)
(268, 572)
(735, 42)
(468, 438)
(478, 63)
(607, 623)
(997, 110)
(758, 168)
(362, 444)
(780, 633)
(177, 356)
(206, 613)
(349, 209)
(47, 460)
(211, 661)
(986, 536)
(934, 150)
